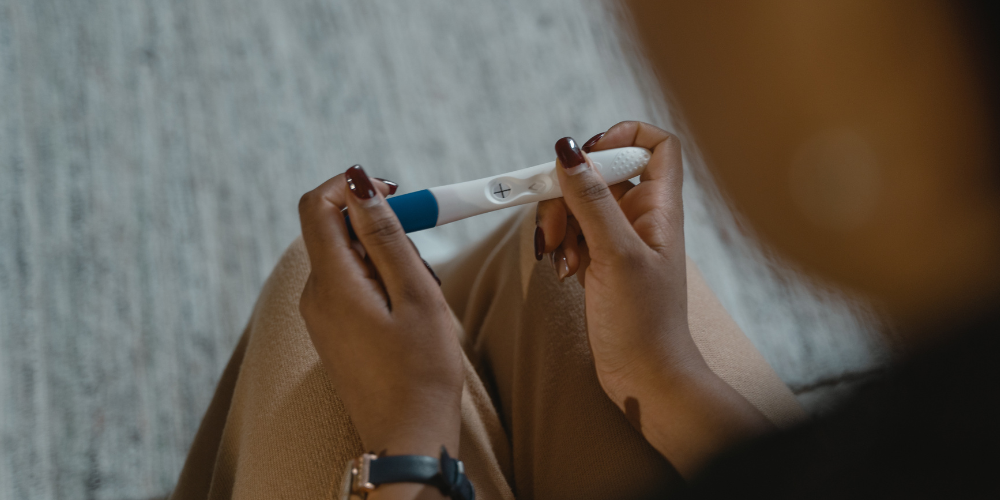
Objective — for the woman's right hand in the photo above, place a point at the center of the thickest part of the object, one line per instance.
(626, 244)
(380, 324)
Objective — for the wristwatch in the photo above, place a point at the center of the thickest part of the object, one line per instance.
(369, 471)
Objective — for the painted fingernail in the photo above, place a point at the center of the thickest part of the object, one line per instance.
(359, 184)
(569, 153)
(590, 142)
(392, 185)
(562, 265)
(433, 274)
(539, 243)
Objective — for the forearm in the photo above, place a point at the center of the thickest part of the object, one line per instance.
(689, 415)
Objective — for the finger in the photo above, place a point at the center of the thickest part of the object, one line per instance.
(591, 201)
(426, 264)
(625, 134)
(372, 274)
(551, 216)
(550, 219)
(665, 162)
(389, 188)
(655, 206)
(581, 273)
(320, 224)
(324, 231)
(559, 263)
(632, 133)
(569, 247)
(378, 229)
(592, 144)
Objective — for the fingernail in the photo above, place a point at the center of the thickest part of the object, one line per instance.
(429, 268)
(590, 142)
(561, 264)
(392, 185)
(359, 184)
(539, 243)
(569, 154)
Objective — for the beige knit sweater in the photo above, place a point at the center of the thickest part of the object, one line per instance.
(535, 422)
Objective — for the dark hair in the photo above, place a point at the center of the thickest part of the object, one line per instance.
(982, 19)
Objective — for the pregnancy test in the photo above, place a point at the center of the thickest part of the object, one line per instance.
(437, 206)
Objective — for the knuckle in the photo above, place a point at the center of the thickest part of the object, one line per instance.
(593, 191)
(412, 293)
(382, 228)
(440, 310)
(306, 202)
(317, 291)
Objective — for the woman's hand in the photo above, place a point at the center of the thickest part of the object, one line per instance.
(626, 246)
(379, 321)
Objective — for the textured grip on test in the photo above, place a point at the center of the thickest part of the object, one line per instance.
(628, 163)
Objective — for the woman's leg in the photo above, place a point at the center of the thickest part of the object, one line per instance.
(276, 428)
(526, 334)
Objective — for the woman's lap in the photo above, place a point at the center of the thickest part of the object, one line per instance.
(534, 419)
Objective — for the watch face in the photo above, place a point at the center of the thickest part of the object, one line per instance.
(347, 481)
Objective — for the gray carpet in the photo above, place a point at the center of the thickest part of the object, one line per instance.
(152, 153)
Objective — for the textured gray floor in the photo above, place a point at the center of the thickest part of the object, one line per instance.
(152, 153)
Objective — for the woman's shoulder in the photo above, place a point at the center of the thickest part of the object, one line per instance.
(920, 430)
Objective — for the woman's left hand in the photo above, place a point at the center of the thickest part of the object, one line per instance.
(379, 321)
(626, 244)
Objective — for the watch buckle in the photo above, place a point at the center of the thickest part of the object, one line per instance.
(362, 473)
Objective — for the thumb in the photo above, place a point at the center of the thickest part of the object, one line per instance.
(587, 195)
(378, 229)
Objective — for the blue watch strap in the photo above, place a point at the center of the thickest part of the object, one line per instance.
(446, 473)
(403, 469)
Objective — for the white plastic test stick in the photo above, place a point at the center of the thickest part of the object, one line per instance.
(440, 205)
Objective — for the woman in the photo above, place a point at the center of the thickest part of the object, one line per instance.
(619, 393)
(382, 367)
(377, 322)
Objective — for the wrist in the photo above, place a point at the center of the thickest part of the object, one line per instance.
(416, 436)
(412, 425)
(422, 443)
(654, 372)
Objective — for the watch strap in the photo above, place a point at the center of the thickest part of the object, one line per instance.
(446, 474)
(403, 469)
(454, 483)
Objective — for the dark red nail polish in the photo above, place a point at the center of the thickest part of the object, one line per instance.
(433, 274)
(539, 243)
(359, 184)
(590, 142)
(568, 152)
(392, 185)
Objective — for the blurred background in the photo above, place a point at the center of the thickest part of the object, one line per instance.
(152, 154)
